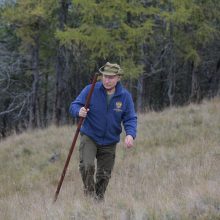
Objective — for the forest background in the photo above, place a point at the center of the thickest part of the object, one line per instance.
(49, 50)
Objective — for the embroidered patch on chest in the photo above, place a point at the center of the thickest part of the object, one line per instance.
(118, 106)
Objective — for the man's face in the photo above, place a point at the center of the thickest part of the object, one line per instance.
(110, 82)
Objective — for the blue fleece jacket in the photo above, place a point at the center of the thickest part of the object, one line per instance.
(103, 122)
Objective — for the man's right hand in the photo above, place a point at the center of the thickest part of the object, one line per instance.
(83, 112)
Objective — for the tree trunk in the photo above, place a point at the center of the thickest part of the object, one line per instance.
(34, 106)
(140, 107)
(218, 82)
(195, 88)
(4, 127)
(45, 107)
(59, 111)
(171, 74)
(215, 81)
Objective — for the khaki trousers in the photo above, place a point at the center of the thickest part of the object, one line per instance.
(104, 156)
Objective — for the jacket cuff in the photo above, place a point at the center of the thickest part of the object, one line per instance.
(134, 136)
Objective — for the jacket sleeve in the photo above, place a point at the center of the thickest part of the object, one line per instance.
(130, 118)
(78, 102)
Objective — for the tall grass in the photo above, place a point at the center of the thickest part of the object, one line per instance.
(173, 172)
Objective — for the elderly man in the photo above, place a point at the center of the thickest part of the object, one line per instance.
(111, 106)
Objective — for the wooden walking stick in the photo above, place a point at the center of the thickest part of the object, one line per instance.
(75, 137)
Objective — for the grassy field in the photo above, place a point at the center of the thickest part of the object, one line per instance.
(173, 172)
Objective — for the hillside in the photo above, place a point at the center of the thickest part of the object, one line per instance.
(171, 173)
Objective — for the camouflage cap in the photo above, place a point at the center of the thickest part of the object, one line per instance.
(111, 69)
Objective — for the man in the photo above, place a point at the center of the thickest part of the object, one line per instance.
(110, 105)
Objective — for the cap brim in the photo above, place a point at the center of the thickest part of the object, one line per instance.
(110, 73)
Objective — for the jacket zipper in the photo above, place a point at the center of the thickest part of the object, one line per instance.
(107, 107)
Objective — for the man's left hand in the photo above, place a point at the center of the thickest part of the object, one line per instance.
(129, 141)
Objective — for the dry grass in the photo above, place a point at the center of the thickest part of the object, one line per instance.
(172, 173)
